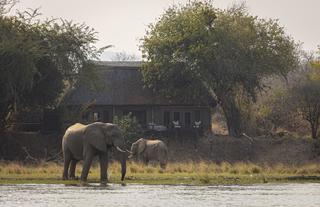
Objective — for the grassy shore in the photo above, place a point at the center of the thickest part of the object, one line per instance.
(191, 173)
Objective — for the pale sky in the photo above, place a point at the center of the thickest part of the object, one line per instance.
(123, 22)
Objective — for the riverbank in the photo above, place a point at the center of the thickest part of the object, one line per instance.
(187, 173)
(288, 150)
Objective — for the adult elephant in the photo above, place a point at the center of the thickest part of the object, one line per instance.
(84, 142)
(150, 150)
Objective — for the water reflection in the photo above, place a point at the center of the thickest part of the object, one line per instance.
(307, 194)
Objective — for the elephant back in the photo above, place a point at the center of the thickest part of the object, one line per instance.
(157, 150)
(161, 145)
(73, 140)
(163, 149)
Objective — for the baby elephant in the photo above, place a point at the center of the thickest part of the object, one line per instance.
(150, 150)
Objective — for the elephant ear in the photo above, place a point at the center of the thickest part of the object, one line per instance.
(94, 136)
(111, 133)
(142, 145)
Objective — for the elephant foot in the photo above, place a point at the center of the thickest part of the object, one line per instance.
(84, 183)
(65, 178)
(74, 178)
(103, 183)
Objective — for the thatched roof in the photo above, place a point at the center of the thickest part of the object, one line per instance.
(122, 86)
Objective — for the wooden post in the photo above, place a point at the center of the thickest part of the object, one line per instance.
(113, 113)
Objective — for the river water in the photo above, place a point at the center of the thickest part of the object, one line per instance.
(33, 195)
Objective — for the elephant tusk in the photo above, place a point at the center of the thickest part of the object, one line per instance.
(128, 151)
(119, 149)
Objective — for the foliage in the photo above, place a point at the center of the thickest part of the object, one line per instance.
(6, 6)
(40, 58)
(315, 69)
(123, 56)
(292, 106)
(271, 113)
(130, 127)
(306, 95)
(79, 113)
(197, 51)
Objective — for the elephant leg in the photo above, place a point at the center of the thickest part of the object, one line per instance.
(88, 157)
(103, 167)
(146, 161)
(163, 164)
(72, 171)
(163, 159)
(67, 159)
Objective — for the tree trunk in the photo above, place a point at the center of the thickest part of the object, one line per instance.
(233, 116)
(230, 109)
(314, 130)
(4, 111)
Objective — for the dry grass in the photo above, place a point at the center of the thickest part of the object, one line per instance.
(227, 168)
(190, 172)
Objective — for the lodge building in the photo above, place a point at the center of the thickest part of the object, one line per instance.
(123, 92)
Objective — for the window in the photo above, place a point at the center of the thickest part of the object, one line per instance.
(176, 116)
(106, 117)
(197, 115)
(187, 119)
(96, 116)
(85, 116)
(126, 112)
(166, 118)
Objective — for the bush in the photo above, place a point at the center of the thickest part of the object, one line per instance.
(306, 96)
(130, 127)
(276, 112)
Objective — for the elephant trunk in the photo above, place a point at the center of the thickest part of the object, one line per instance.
(130, 155)
(123, 165)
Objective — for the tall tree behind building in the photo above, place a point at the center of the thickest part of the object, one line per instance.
(195, 51)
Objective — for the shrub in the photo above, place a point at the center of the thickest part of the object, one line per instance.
(130, 127)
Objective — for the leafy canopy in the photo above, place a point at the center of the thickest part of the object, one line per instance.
(306, 95)
(39, 59)
(195, 51)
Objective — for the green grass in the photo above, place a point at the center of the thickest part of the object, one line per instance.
(191, 173)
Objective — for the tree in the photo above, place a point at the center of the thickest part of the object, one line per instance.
(306, 95)
(38, 58)
(274, 111)
(123, 56)
(197, 51)
(6, 6)
(130, 127)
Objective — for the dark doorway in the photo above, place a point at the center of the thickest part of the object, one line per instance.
(106, 116)
(166, 118)
(197, 115)
(187, 119)
(176, 116)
